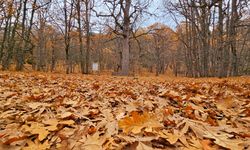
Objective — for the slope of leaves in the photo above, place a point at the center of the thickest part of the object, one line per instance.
(46, 111)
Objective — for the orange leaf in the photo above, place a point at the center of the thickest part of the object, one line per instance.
(211, 121)
(14, 139)
(137, 122)
(91, 130)
(206, 145)
(168, 111)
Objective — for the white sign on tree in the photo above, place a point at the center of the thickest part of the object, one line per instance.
(95, 66)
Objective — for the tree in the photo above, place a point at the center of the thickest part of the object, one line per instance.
(26, 27)
(124, 14)
(88, 7)
(163, 43)
(68, 17)
(80, 34)
(209, 35)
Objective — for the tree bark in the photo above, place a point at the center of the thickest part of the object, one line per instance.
(234, 20)
(220, 58)
(87, 22)
(67, 30)
(78, 7)
(126, 35)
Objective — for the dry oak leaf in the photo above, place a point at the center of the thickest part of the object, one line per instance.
(200, 144)
(66, 122)
(171, 94)
(137, 122)
(11, 134)
(94, 142)
(36, 145)
(35, 105)
(220, 138)
(223, 140)
(172, 138)
(14, 139)
(206, 144)
(66, 115)
(224, 104)
(37, 128)
(142, 146)
(54, 122)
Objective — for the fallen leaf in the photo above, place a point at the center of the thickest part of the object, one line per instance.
(172, 138)
(66, 115)
(137, 122)
(93, 142)
(35, 105)
(37, 128)
(14, 139)
(142, 146)
(67, 122)
(221, 138)
(36, 145)
(226, 103)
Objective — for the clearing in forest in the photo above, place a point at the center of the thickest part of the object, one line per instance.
(55, 111)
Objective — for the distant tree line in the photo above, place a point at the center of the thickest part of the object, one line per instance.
(214, 36)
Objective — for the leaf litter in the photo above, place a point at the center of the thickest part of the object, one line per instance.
(54, 111)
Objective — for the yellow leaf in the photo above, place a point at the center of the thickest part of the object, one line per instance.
(94, 142)
(37, 128)
(53, 122)
(66, 114)
(51, 128)
(67, 122)
(37, 145)
(171, 138)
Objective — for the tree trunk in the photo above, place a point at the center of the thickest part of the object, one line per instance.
(78, 7)
(20, 50)
(53, 59)
(126, 35)
(41, 46)
(67, 36)
(25, 35)
(234, 20)
(87, 18)
(221, 71)
(9, 47)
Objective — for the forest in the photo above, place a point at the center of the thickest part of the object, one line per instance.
(124, 74)
(70, 35)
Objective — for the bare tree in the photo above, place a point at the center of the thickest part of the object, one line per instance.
(68, 17)
(124, 14)
(88, 8)
(27, 24)
(80, 34)
(12, 12)
(209, 35)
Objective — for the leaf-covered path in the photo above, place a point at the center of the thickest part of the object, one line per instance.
(46, 111)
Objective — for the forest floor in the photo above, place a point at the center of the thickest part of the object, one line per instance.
(56, 111)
